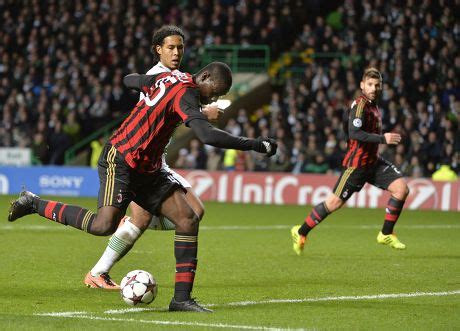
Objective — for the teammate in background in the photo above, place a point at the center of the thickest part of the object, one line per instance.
(130, 167)
(168, 50)
(363, 164)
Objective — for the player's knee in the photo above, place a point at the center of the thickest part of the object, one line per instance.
(401, 191)
(189, 221)
(406, 191)
(333, 203)
(141, 223)
(200, 214)
(193, 219)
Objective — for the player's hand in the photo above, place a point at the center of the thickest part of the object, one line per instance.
(392, 138)
(212, 112)
(265, 145)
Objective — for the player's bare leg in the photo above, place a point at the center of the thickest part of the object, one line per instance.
(194, 201)
(399, 192)
(177, 209)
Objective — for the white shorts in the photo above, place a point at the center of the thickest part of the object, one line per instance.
(176, 176)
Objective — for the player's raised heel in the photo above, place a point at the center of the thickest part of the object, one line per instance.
(298, 241)
(22, 206)
(390, 240)
(102, 281)
(189, 305)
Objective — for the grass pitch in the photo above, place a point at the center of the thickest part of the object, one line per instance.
(247, 272)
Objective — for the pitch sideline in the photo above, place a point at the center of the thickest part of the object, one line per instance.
(270, 301)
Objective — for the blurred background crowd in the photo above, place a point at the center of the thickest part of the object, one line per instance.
(62, 63)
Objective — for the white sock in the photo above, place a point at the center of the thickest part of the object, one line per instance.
(119, 244)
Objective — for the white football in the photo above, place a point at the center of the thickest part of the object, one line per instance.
(138, 287)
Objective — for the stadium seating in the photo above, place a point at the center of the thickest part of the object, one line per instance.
(62, 65)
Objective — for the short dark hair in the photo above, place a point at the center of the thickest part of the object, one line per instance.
(372, 73)
(220, 73)
(160, 35)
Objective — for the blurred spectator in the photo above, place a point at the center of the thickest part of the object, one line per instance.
(58, 143)
(40, 150)
(317, 166)
(445, 174)
(97, 146)
(214, 159)
(229, 162)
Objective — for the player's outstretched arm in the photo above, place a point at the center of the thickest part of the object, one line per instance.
(136, 81)
(218, 138)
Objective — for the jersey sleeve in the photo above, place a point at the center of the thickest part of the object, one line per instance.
(356, 122)
(218, 138)
(187, 105)
(138, 82)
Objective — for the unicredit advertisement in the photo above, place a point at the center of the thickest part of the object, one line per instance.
(238, 187)
(282, 188)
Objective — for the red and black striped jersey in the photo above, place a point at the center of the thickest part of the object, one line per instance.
(364, 127)
(170, 99)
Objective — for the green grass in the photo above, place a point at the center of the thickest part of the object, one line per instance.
(43, 265)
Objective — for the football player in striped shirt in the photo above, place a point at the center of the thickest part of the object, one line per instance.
(130, 166)
(362, 164)
(168, 51)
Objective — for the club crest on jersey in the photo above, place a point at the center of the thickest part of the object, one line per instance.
(357, 123)
(119, 198)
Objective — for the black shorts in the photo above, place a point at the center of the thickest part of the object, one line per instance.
(380, 174)
(120, 184)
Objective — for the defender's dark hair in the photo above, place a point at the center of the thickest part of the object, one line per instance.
(220, 73)
(160, 35)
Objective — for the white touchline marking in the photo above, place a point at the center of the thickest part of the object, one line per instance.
(131, 310)
(340, 298)
(157, 322)
(49, 228)
(63, 314)
(85, 315)
(337, 298)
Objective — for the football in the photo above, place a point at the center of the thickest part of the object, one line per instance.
(138, 287)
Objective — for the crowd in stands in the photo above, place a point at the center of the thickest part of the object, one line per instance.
(62, 63)
(416, 48)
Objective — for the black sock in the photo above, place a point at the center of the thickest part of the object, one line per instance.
(74, 216)
(393, 210)
(318, 214)
(185, 250)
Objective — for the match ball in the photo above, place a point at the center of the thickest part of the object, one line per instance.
(138, 287)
